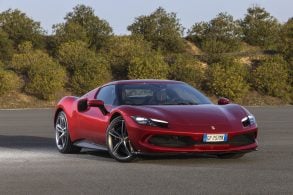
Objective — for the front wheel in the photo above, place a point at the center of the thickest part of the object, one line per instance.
(118, 142)
(63, 141)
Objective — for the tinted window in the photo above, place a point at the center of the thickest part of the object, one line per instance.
(107, 94)
(160, 94)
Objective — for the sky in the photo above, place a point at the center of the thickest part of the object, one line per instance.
(121, 13)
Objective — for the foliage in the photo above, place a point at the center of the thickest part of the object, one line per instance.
(185, 68)
(149, 66)
(222, 34)
(6, 46)
(86, 69)
(286, 41)
(271, 77)
(44, 77)
(82, 24)
(121, 50)
(260, 28)
(19, 27)
(162, 29)
(9, 81)
(90, 55)
(228, 79)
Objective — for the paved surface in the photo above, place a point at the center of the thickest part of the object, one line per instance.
(30, 164)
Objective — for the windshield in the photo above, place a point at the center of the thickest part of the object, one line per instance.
(160, 94)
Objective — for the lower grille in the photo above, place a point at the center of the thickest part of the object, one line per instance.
(242, 140)
(171, 141)
(187, 141)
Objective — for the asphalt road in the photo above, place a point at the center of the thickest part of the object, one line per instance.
(30, 164)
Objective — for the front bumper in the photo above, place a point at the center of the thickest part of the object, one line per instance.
(145, 139)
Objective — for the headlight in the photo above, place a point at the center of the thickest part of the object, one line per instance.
(150, 121)
(248, 121)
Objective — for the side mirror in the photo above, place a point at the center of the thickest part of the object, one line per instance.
(223, 101)
(95, 103)
(98, 103)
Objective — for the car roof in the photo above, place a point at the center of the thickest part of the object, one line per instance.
(142, 81)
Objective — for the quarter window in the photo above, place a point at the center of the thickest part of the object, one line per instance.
(108, 95)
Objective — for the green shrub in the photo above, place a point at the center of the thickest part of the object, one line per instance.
(9, 81)
(227, 79)
(271, 77)
(86, 69)
(215, 46)
(121, 50)
(149, 66)
(45, 82)
(44, 77)
(185, 68)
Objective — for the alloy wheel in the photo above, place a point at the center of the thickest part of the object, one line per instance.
(61, 131)
(118, 141)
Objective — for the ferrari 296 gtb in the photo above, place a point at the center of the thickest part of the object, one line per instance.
(134, 117)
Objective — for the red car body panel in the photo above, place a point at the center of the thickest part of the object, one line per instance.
(192, 121)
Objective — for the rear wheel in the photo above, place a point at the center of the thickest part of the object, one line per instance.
(118, 142)
(231, 155)
(63, 141)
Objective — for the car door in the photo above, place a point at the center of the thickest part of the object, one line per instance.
(93, 122)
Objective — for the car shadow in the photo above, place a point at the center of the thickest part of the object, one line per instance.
(26, 142)
(36, 143)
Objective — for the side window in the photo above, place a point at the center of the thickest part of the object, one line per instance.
(107, 94)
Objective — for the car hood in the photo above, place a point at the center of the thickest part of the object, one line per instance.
(224, 116)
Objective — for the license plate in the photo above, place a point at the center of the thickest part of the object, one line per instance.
(215, 137)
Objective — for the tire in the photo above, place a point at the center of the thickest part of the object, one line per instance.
(62, 137)
(231, 155)
(118, 143)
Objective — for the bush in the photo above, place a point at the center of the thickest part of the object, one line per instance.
(6, 46)
(214, 46)
(271, 77)
(185, 68)
(9, 81)
(121, 50)
(86, 69)
(227, 79)
(149, 66)
(44, 77)
(45, 81)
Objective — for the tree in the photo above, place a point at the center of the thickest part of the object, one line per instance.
(221, 34)
(120, 52)
(86, 69)
(149, 66)
(260, 28)
(19, 27)
(44, 77)
(71, 31)
(82, 24)
(271, 77)
(162, 29)
(228, 79)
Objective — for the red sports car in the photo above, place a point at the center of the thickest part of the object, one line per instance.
(134, 117)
